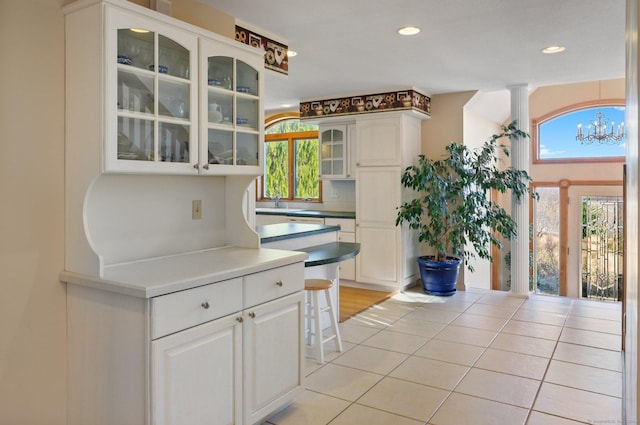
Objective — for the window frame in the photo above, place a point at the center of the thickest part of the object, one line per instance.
(291, 139)
(535, 133)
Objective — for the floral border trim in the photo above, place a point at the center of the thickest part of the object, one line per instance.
(275, 54)
(362, 104)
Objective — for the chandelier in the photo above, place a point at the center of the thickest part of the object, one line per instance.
(600, 131)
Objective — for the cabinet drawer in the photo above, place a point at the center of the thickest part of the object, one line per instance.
(346, 224)
(271, 284)
(180, 310)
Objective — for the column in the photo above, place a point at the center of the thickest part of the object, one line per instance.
(520, 208)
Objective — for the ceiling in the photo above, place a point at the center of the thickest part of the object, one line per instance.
(350, 47)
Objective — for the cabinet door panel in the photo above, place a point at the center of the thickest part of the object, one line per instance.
(196, 375)
(378, 195)
(377, 262)
(379, 142)
(273, 355)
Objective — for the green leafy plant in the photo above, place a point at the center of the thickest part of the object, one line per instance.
(453, 203)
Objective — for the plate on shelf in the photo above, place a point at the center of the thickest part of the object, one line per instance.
(162, 69)
(125, 60)
(243, 89)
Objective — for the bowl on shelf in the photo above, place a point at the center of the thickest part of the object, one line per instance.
(243, 89)
(125, 60)
(242, 121)
(214, 82)
(162, 69)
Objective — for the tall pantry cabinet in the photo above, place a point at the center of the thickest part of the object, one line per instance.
(386, 144)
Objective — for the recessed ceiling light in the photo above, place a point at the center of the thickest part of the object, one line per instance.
(408, 30)
(291, 53)
(554, 49)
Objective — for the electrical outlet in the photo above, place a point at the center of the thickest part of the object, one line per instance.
(196, 209)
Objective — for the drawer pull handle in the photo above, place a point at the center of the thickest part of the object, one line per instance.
(252, 315)
(279, 283)
(239, 319)
(205, 305)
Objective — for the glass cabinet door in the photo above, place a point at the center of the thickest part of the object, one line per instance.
(232, 112)
(154, 98)
(332, 152)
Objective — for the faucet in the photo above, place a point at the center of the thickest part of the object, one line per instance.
(276, 199)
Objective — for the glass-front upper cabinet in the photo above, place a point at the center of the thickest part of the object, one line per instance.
(333, 151)
(151, 96)
(231, 108)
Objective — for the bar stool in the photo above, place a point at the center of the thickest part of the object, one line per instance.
(313, 317)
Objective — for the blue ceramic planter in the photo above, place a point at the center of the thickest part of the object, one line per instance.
(439, 277)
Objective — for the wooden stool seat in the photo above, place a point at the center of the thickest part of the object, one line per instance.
(314, 331)
(317, 284)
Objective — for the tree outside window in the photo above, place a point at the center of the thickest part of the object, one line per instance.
(291, 162)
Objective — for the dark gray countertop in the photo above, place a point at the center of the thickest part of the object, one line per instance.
(328, 253)
(281, 231)
(307, 213)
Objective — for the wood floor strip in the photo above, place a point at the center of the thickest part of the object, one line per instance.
(355, 300)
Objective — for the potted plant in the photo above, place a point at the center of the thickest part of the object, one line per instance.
(453, 206)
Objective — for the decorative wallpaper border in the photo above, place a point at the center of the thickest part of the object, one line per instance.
(275, 54)
(363, 104)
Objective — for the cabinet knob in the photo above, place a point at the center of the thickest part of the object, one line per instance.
(252, 315)
(205, 166)
(196, 166)
(239, 319)
(279, 283)
(205, 305)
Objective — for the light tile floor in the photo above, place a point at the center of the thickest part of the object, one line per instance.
(478, 358)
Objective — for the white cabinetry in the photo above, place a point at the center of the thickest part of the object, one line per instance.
(385, 145)
(156, 95)
(346, 234)
(229, 352)
(337, 154)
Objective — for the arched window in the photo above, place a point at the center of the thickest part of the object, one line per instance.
(291, 160)
(556, 135)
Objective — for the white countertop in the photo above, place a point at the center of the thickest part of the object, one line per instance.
(159, 276)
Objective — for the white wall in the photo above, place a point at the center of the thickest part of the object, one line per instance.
(32, 304)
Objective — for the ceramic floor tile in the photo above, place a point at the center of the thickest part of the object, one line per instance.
(537, 316)
(436, 315)
(491, 310)
(355, 333)
(464, 335)
(591, 339)
(394, 308)
(593, 324)
(578, 405)
(491, 385)
(524, 344)
(589, 356)
(341, 382)
(404, 398)
(371, 359)
(373, 318)
(396, 341)
(597, 312)
(535, 330)
(310, 408)
(410, 325)
(430, 372)
(357, 414)
(461, 409)
(452, 352)
(479, 322)
(500, 299)
(545, 306)
(537, 418)
(587, 378)
(552, 299)
(512, 363)
(456, 307)
(330, 354)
